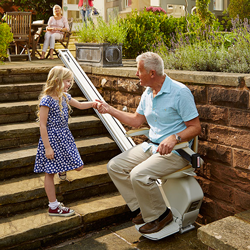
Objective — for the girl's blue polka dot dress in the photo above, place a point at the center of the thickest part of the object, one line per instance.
(66, 155)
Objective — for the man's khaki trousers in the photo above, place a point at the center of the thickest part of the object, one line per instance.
(134, 173)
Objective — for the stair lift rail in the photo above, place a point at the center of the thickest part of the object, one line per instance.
(114, 127)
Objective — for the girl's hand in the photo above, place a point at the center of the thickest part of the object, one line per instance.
(49, 153)
(102, 107)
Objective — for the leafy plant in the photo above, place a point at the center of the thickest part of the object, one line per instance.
(41, 9)
(207, 17)
(6, 37)
(112, 32)
(146, 29)
(218, 52)
(240, 8)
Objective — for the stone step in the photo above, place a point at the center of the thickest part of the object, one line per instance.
(36, 229)
(20, 161)
(22, 194)
(25, 111)
(27, 91)
(19, 134)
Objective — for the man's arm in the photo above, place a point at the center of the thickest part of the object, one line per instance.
(131, 119)
(193, 129)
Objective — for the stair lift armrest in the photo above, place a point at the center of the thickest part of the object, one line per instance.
(136, 132)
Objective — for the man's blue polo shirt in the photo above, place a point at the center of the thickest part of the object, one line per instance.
(167, 111)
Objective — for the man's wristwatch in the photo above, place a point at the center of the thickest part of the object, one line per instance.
(178, 138)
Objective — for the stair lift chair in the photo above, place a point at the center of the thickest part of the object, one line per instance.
(180, 191)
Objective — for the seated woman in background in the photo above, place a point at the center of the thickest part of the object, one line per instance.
(57, 24)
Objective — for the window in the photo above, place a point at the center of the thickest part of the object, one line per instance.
(218, 5)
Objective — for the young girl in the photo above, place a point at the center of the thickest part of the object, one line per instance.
(57, 150)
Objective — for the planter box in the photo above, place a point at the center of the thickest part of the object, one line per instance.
(99, 54)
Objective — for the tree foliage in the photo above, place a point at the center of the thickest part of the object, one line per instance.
(207, 17)
(239, 8)
(41, 9)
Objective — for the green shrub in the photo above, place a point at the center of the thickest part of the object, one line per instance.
(218, 52)
(6, 37)
(240, 8)
(103, 32)
(146, 29)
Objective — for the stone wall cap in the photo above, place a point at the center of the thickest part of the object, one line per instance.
(228, 233)
(205, 77)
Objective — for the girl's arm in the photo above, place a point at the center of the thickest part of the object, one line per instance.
(44, 111)
(81, 105)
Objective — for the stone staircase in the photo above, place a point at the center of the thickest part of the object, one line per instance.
(24, 221)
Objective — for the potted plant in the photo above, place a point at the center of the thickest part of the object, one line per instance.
(100, 44)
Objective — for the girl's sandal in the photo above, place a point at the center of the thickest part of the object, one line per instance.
(62, 176)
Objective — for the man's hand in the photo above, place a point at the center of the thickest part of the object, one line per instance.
(102, 107)
(167, 145)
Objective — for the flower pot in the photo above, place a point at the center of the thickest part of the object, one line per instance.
(99, 54)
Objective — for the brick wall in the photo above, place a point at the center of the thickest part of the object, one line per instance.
(222, 100)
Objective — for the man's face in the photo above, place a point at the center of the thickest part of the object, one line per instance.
(144, 76)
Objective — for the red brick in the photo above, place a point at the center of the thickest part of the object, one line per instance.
(208, 210)
(199, 93)
(105, 82)
(204, 183)
(215, 152)
(224, 210)
(242, 200)
(221, 192)
(231, 177)
(203, 134)
(228, 97)
(130, 85)
(239, 118)
(96, 81)
(106, 95)
(137, 100)
(131, 101)
(241, 159)
(213, 114)
(118, 98)
(233, 137)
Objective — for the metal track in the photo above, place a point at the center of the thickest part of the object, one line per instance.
(114, 127)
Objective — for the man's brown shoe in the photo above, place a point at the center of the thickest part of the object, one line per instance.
(156, 225)
(138, 219)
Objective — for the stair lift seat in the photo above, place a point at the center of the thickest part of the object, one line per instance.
(181, 193)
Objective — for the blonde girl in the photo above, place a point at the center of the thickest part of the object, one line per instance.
(57, 150)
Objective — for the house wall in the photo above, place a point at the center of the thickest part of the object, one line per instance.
(223, 102)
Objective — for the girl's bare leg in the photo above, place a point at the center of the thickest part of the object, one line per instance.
(80, 168)
(50, 187)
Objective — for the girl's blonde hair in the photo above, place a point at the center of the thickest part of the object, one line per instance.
(54, 86)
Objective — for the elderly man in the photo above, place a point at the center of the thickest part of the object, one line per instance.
(169, 109)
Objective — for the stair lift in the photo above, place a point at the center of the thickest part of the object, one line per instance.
(180, 191)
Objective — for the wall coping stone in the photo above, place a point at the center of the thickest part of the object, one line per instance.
(229, 233)
(202, 77)
(198, 77)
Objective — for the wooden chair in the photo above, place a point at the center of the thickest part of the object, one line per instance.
(20, 24)
(66, 38)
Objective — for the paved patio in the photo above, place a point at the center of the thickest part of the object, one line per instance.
(126, 237)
